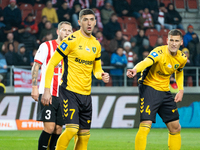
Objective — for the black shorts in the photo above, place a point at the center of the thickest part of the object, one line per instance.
(161, 102)
(76, 108)
(51, 113)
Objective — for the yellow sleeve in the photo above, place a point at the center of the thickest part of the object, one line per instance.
(64, 48)
(143, 64)
(97, 69)
(54, 61)
(179, 79)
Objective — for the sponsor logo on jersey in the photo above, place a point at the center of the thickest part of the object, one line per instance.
(169, 66)
(86, 62)
(162, 74)
(63, 46)
(80, 47)
(94, 49)
(154, 54)
(176, 66)
(87, 49)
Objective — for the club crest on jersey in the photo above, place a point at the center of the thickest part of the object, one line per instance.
(154, 54)
(87, 49)
(94, 49)
(63, 46)
(176, 66)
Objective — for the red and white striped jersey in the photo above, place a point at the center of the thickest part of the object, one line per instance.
(43, 55)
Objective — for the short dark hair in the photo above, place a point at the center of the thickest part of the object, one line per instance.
(86, 12)
(175, 32)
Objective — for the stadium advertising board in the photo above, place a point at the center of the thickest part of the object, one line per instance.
(18, 111)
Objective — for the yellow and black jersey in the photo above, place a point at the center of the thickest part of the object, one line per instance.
(81, 56)
(164, 65)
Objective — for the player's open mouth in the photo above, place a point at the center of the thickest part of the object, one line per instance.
(89, 28)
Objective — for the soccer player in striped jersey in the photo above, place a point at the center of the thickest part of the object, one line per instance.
(81, 52)
(50, 115)
(155, 96)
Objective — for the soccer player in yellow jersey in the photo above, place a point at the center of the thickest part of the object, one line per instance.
(81, 53)
(155, 96)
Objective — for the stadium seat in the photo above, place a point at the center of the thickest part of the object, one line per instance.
(129, 20)
(152, 34)
(121, 22)
(4, 3)
(120, 19)
(192, 5)
(164, 35)
(166, 2)
(38, 11)
(180, 5)
(164, 32)
(183, 31)
(25, 10)
(130, 29)
(164, 39)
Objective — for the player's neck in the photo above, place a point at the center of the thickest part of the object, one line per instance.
(172, 53)
(85, 34)
(58, 41)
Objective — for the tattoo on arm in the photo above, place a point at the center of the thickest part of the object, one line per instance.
(35, 69)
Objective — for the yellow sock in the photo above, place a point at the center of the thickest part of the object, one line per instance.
(174, 141)
(66, 136)
(141, 137)
(82, 142)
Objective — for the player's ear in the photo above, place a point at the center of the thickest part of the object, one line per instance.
(79, 22)
(181, 42)
(57, 31)
(167, 40)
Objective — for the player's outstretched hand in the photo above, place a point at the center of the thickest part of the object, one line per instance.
(46, 97)
(35, 93)
(105, 77)
(131, 73)
(179, 96)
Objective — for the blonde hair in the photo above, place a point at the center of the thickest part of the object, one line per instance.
(64, 22)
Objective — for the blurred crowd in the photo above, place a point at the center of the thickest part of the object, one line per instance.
(21, 31)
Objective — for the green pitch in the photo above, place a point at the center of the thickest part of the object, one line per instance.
(104, 139)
